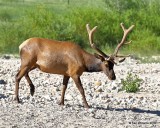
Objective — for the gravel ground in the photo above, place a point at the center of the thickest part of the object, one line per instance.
(110, 107)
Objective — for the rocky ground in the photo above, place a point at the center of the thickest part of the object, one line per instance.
(110, 107)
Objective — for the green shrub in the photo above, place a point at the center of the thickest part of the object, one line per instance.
(131, 83)
(20, 20)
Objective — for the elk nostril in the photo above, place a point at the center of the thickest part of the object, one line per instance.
(113, 77)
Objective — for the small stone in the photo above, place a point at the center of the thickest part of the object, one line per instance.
(6, 57)
(53, 92)
(47, 97)
(32, 99)
(133, 107)
(130, 97)
(10, 92)
(154, 100)
(98, 83)
(104, 97)
(108, 101)
(3, 102)
(141, 98)
(3, 82)
(118, 103)
(99, 90)
(58, 89)
(69, 97)
(114, 88)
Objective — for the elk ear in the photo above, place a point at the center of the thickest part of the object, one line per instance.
(99, 57)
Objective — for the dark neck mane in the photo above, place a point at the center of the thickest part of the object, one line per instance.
(92, 63)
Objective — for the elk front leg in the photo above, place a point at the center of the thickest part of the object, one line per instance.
(80, 88)
(65, 83)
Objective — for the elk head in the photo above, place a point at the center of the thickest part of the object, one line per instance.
(109, 61)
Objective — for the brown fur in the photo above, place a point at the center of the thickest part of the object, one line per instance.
(64, 58)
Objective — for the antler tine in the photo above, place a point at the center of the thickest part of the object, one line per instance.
(90, 33)
(128, 42)
(123, 55)
(126, 31)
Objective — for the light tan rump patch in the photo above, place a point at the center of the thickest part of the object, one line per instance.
(23, 44)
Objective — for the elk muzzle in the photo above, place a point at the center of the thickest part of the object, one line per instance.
(111, 75)
(109, 72)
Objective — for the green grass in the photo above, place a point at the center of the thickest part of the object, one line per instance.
(22, 19)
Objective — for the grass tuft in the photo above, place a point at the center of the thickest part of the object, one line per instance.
(131, 83)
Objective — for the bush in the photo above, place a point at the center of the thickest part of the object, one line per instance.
(67, 22)
(131, 83)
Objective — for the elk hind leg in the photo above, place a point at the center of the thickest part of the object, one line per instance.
(19, 75)
(32, 88)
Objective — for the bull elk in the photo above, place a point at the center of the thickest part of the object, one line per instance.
(65, 58)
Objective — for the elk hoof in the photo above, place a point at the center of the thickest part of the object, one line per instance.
(16, 99)
(86, 106)
(61, 103)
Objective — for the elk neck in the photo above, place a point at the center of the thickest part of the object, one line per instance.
(92, 64)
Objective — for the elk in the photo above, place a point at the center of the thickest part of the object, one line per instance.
(67, 59)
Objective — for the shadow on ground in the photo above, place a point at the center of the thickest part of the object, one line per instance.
(136, 110)
(2, 96)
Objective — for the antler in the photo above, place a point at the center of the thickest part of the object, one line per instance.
(126, 31)
(90, 33)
